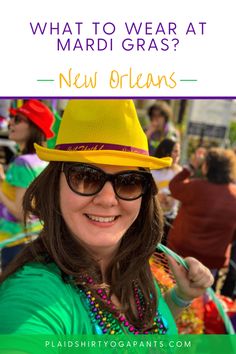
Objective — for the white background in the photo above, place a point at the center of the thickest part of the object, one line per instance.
(208, 58)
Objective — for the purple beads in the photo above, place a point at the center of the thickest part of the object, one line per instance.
(111, 320)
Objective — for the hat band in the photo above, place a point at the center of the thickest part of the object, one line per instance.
(100, 146)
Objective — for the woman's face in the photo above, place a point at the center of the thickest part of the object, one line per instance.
(175, 154)
(158, 121)
(98, 221)
(19, 129)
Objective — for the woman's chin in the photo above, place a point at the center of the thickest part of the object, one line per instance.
(101, 244)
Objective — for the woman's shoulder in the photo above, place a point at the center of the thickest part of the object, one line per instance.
(23, 170)
(35, 299)
(28, 160)
(40, 267)
(32, 277)
(38, 273)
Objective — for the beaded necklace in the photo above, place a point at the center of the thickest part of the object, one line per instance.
(114, 322)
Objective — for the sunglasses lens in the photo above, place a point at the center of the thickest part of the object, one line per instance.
(130, 186)
(18, 119)
(85, 180)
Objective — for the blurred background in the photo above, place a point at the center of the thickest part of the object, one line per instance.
(206, 123)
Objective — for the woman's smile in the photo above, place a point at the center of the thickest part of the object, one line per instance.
(100, 220)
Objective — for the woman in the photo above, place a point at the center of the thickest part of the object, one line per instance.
(162, 177)
(101, 226)
(161, 127)
(29, 124)
(206, 222)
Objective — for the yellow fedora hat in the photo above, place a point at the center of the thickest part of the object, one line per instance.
(103, 132)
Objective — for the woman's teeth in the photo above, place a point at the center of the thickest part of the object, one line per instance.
(101, 219)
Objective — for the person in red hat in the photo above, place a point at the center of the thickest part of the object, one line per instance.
(29, 124)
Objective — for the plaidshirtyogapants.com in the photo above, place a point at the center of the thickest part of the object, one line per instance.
(115, 344)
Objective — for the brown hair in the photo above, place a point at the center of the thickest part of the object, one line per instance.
(162, 108)
(221, 166)
(36, 136)
(131, 264)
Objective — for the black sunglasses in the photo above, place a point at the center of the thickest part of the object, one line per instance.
(18, 119)
(87, 180)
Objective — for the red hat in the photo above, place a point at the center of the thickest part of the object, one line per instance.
(39, 114)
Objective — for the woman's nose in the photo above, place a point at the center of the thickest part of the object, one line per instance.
(10, 122)
(106, 196)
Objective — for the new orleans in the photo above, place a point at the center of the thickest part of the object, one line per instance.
(117, 79)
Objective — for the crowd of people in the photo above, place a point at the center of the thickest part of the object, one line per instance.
(102, 200)
(198, 199)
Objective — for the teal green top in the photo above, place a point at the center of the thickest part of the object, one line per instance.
(36, 300)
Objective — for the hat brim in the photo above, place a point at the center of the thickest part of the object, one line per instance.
(103, 157)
